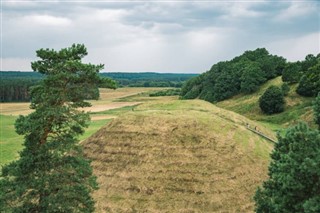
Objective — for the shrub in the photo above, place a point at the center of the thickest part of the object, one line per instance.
(272, 101)
(285, 89)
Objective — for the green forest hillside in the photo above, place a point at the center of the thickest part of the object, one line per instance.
(178, 156)
(240, 83)
(297, 107)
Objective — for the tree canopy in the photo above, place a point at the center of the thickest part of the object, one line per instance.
(309, 84)
(225, 79)
(51, 174)
(316, 110)
(294, 174)
(272, 101)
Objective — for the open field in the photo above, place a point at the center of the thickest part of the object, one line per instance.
(103, 111)
(10, 141)
(178, 156)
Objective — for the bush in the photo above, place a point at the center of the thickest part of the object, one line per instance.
(285, 89)
(272, 101)
(168, 92)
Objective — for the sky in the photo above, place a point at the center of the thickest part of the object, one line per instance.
(158, 36)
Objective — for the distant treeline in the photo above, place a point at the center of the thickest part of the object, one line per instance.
(247, 72)
(15, 85)
(149, 79)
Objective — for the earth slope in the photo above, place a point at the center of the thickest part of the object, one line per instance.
(178, 156)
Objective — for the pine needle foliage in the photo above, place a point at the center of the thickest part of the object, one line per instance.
(51, 174)
(294, 174)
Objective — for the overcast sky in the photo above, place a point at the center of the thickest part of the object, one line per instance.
(160, 36)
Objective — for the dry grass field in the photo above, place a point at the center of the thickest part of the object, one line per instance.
(108, 107)
(161, 154)
(108, 100)
(178, 156)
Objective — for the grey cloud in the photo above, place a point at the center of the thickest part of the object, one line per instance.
(156, 36)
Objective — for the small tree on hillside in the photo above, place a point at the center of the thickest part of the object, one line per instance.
(316, 110)
(292, 72)
(272, 101)
(285, 89)
(51, 174)
(294, 174)
(309, 84)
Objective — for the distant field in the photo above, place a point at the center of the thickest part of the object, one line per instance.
(109, 106)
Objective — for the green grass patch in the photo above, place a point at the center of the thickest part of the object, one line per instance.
(298, 108)
(10, 141)
(117, 111)
(94, 126)
(290, 115)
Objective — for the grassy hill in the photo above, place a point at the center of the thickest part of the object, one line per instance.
(178, 156)
(298, 108)
(110, 105)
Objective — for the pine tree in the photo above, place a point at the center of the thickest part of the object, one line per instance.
(51, 174)
(294, 174)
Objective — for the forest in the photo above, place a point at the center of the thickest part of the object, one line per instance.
(245, 74)
(15, 85)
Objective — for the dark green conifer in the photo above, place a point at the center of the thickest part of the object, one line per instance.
(294, 174)
(51, 174)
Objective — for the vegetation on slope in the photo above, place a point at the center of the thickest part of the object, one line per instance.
(297, 108)
(294, 174)
(243, 74)
(245, 79)
(111, 104)
(178, 156)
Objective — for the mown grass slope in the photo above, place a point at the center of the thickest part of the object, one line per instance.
(298, 108)
(178, 156)
(109, 106)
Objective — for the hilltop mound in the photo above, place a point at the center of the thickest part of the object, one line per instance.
(178, 156)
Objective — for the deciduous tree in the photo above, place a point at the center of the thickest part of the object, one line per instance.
(309, 84)
(316, 110)
(272, 101)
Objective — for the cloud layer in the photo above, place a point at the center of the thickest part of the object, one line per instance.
(162, 36)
